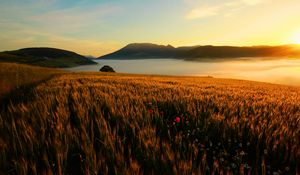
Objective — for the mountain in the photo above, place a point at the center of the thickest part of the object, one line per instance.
(234, 52)
(147, 50)
(46, 57)
(143, 50)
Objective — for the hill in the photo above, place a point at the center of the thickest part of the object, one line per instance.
(143, 50)
(147, 50)
(46, 57)
(234, 52)
(103, 123)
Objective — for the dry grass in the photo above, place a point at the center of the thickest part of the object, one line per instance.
(14, 76)
(126, 124)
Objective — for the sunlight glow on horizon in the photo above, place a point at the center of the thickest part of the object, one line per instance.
(100, 27)
(295, 37)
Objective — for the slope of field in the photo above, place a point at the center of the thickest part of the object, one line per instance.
(126, 124)
(14, 76)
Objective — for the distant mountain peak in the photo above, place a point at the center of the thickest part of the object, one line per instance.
(170, 46)
(145, 46)
(143, 50)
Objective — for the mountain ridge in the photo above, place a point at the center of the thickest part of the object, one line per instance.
(145, 50)
(149, 50)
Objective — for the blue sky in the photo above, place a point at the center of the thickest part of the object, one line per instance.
(96, 27)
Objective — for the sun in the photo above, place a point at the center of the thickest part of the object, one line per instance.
(295, 38)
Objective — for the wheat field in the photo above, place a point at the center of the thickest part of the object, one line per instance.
(97, 123)
(14, 76)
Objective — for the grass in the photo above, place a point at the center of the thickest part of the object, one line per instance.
(14, 76)
(101, 123)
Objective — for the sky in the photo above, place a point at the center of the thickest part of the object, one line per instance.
(98, 27)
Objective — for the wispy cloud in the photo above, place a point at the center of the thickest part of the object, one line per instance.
(73, 27)
(252, 2)
(227, 8)
(31, 38)
(202, 12)
(74, 18)
(45, 16)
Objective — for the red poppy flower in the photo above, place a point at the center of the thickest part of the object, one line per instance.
(177, 119)
(150, 111)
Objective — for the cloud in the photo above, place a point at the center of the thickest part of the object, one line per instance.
(203, 10)
(32, 38)
(252, 2)
(46, 23)
(73, 19)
